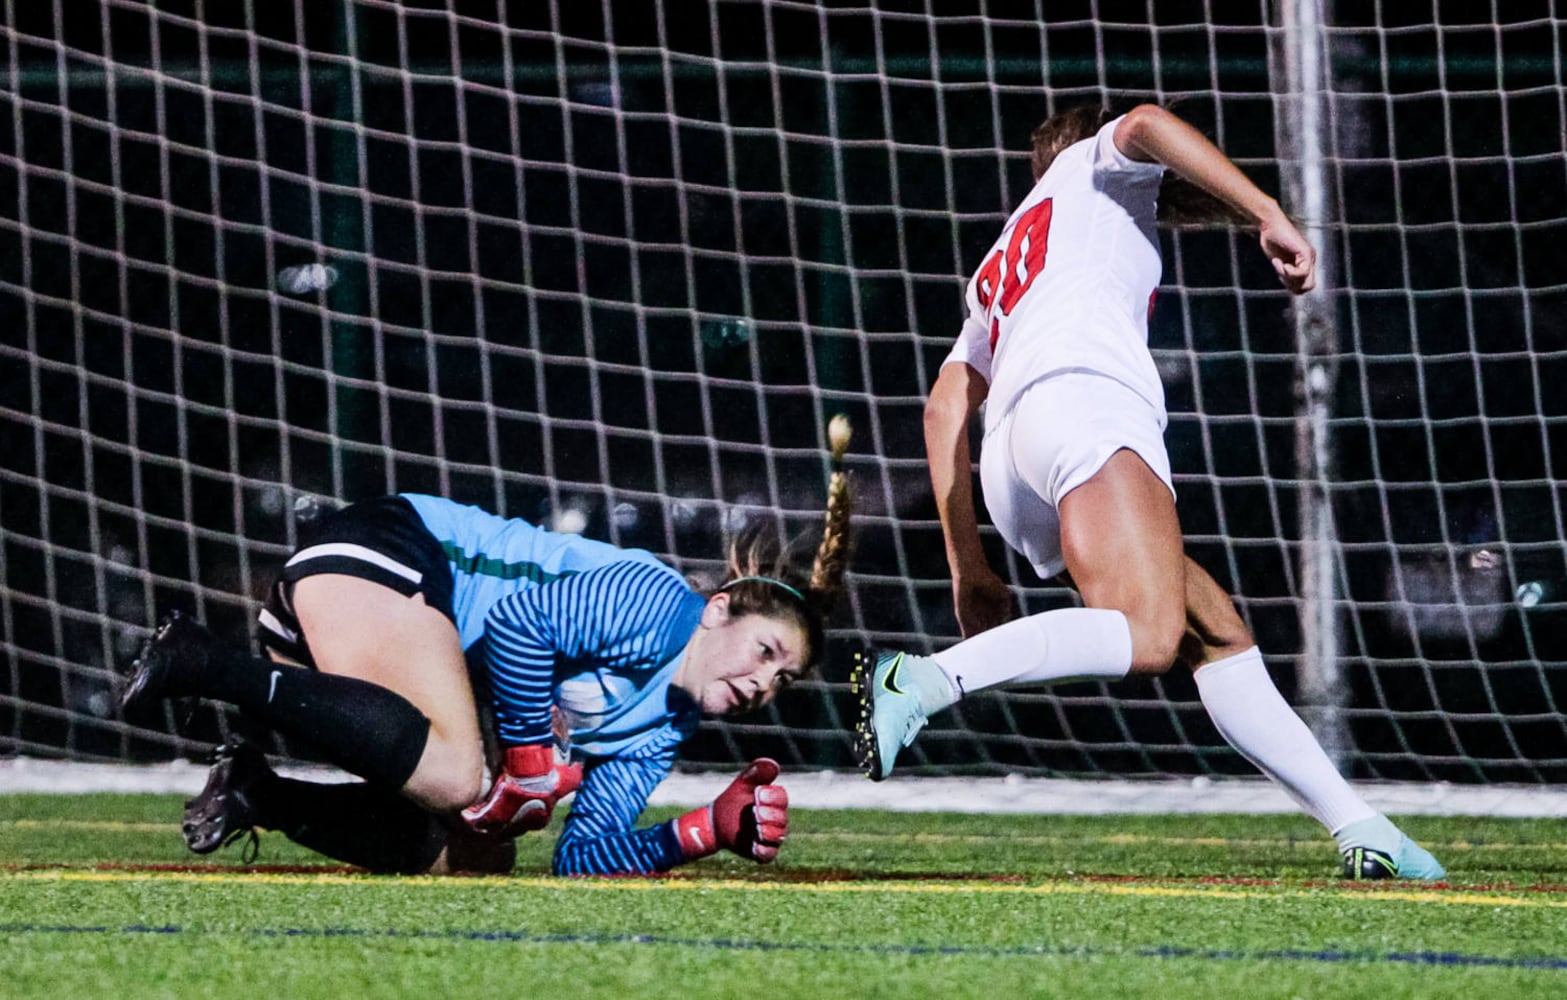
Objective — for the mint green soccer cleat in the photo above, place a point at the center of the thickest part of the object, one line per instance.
(893, 708)
(1399, 857)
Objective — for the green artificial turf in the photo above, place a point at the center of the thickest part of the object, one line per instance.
(100, 897)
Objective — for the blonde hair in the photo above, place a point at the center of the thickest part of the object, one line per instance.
(763, 578)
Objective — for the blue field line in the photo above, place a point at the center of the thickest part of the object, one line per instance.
(1432, 958)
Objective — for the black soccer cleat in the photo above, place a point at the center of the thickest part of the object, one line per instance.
(1369, 863)
(891, 711)
(225, 810)
(170, 663)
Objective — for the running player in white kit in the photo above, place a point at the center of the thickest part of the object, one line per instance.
(1076, 476)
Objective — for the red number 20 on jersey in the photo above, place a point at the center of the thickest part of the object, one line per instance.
(1008, 273)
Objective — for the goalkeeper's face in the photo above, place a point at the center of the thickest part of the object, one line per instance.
(739, 664)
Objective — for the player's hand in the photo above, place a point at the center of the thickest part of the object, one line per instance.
(750, 817)
(1291, 254)
(524, 793)
(982, 601)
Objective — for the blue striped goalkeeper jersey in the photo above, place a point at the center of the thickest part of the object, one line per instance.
(559, 620)
(493, 556)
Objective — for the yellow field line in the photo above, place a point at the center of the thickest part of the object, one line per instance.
(1447, 897)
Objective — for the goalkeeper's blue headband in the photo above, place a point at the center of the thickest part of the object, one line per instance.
(767, 579)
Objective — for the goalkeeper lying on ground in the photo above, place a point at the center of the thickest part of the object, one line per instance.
(381, 611)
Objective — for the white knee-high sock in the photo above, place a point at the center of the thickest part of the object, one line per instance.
(1249, 711)
(1066, 644)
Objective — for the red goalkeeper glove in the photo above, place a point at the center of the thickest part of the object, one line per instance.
(750, 817)
(524, 793)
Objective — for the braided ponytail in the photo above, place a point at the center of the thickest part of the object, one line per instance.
(762, 578)
(832, 553)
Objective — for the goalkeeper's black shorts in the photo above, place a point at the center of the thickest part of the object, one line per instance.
(383, 541)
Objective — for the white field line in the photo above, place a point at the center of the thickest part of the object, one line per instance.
(839, 790)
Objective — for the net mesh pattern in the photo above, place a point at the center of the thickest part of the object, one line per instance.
(610, 267)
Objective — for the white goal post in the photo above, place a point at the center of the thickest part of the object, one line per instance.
(612, 267)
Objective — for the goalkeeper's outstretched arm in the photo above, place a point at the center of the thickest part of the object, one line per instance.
(750, 818)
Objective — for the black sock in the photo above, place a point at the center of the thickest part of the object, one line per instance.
(363, 728)
(357, 822)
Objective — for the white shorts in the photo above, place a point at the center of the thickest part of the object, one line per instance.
(1057, 435)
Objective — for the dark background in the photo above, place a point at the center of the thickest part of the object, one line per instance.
(628, 268)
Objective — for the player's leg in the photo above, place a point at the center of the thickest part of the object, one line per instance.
(355, 822)
(367, 602)
(1248, 710)
(1122, 543)
(362, 727)
(1214, 629)
(1077, 478)
(359, 629)
(1064, 492)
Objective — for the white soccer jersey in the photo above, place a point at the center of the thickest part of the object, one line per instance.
(1068, 284)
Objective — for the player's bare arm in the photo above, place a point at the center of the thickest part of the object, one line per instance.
(1154, 135)
(980, 597)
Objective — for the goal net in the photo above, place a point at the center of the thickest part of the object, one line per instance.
(611, 267)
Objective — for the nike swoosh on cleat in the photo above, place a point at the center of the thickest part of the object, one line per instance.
(887, 682)
(272, 688)
(1355, 860)
(695, 833)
